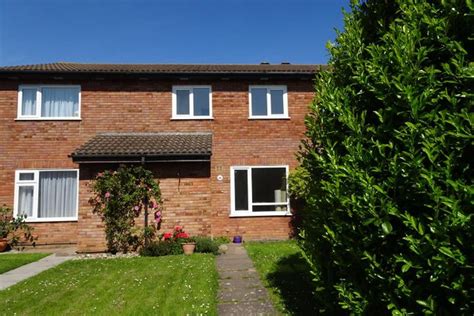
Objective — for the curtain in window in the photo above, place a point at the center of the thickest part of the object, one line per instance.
(60, 102)
(25, 200)
(28, 102)
(57, 194)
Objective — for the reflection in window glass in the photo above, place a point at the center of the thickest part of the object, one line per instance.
(241, 189)
(267, 185)
(277, 101)
(201, 101)
(259, 101)
(182, 102)
(27, 176)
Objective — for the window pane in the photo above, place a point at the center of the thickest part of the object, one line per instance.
(27, 176)
(201, 101)
(277, 101)
(259, 101)
(57, 194)
(28, 102)
(241, 190)
(25, 200)
(268, 185)
(269, 208)
(182, 102)
(60, 102)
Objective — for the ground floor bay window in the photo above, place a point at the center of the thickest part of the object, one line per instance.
(46, 195)
(259, 190)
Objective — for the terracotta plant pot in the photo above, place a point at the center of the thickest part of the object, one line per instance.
(188, 248)
(3, 244)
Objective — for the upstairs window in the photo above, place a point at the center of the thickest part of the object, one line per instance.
(259, 191)
(47, 195)
(268, 102)
(192, 102)
(48, 102)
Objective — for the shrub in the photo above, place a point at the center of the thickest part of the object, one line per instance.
(221, 240)
(206, 245)
(387, 177)
(161, 248)
(120, 197)
(15, 229)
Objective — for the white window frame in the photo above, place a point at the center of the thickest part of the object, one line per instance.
(38, 116)
(35, 183)
(269, 100)
(190, 116)
(249, 212)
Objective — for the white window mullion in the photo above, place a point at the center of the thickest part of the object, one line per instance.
(269, 102)
(38, 102)
(249, 186)
(36, 195)
(287, 190)
(191, 102)
(16, 194)
(20, 102)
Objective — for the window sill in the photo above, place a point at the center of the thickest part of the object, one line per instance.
(51, 220)
(204, 118)
(261, 214)
(48, 119)
(269, 118)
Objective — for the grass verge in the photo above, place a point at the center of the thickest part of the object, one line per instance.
(170, 285)
(286, 274)
(12, 261)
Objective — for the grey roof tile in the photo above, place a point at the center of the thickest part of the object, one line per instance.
(66, 67)
(173, 144)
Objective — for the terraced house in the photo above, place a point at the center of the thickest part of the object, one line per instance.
(220, 138)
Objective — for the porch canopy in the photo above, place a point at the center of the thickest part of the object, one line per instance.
(145, 148)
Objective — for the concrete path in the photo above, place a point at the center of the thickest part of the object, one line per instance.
(240, 290)
(14, 276)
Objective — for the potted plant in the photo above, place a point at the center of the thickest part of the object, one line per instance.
(179, 235)
(238, 237)
(189, 245)
(11, 229)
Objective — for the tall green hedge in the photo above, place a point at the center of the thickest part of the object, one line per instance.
(386, 168)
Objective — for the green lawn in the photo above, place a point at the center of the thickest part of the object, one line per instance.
(169, 285)
(12, 261)
(286, 274)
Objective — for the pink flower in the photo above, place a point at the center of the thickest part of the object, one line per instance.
(136, 208)
(158, 216)
(107, 195)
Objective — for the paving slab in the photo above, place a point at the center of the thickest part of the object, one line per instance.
(240, 290)
(26, 271)
(249, 308)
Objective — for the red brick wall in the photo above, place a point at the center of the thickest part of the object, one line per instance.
(200, 203)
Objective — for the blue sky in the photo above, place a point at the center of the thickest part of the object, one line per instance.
(165, 31)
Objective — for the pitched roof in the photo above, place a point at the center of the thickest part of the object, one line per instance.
(66, 67)
(132, 147)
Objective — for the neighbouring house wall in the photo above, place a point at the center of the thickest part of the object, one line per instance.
(200, 203)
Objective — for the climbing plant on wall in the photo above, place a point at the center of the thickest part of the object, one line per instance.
(120, 197)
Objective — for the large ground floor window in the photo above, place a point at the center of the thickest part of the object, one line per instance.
(259, 190)
(47, 195)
